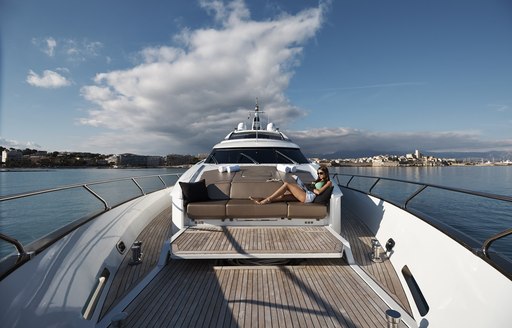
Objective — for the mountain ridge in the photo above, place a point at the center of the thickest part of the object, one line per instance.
(484, 155)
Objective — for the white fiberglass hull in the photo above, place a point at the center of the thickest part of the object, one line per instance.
(53, 288)
(460, 288)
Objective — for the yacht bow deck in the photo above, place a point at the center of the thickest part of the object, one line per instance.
(320, 292)
(205, 293)
(212, 242)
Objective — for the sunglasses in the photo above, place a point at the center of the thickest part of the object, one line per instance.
(320, 173)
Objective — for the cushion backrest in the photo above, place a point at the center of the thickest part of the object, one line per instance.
(219, 191)
(218, 184)
(255, 181)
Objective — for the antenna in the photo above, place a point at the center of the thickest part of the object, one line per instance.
(256, 125)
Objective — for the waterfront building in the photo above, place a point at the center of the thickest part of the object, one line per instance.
(11, 156)
(139, 160)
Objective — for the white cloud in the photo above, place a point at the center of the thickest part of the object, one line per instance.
(197, 92)
(499, 107)
(230, 14)
(70, 49)
(9, 143)
(81, 50)
(329, 140)
(49, 80)
(124, 142)
(47, 45)
(51, 44)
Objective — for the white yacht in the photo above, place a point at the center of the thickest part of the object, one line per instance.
(194, 250)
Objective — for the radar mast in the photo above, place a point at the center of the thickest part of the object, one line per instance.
(256, 125)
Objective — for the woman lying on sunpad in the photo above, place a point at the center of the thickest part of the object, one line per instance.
(298, 191)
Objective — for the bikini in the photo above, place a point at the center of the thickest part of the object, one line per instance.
(310, 196)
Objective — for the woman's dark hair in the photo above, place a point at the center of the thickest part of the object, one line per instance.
(324, 169)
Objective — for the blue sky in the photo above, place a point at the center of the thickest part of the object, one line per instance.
(160, 77)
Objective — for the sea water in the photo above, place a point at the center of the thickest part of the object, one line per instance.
(492, 179)
(474, 216)
(15, 181)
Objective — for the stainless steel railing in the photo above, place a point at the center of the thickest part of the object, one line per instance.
(24, 253)
(483, 248)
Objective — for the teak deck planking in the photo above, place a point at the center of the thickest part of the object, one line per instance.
(320, 292)
(205, 240)
(201, 293)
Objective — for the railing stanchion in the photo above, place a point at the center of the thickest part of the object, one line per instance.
(414, 195)
(159, 177)
(488, 242)
(97, 196)
(373, 185)
(140, 188)
(350, 180)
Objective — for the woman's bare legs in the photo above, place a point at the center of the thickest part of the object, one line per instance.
(280, 193)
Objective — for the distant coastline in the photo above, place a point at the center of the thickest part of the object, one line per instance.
(466, 164)
(32, 158)
(408, 160)
(15, 159)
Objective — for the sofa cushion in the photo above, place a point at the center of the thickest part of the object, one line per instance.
(242, 190)
(194, 191)
(203, 210)
(309, 210)
(246, 208)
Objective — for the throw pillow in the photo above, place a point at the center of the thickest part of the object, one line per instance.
(324, 197)
(194, 191)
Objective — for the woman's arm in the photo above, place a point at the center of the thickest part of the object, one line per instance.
(326, 185)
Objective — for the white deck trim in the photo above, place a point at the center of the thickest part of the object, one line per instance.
(211, 256)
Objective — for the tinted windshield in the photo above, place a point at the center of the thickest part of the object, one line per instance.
(256, 156)
(256, 135)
